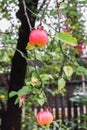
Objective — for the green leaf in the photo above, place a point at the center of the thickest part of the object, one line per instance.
(17, 100)
(81, 70)
(75, 99)
(13, 93)
(63, 4)
(41, 101)
(67, 38)
(68, 71)
(34, 75)
(61, 83)
(34, 78)
(61, 86)
(24, 90)
(46, 76)
(41, 98)
(30, 46)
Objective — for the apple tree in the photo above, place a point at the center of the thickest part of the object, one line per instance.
(37, 62)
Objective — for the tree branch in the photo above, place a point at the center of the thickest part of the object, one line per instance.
(27, 17)
(42, 5)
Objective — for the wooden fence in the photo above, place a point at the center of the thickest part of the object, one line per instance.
(63, 108)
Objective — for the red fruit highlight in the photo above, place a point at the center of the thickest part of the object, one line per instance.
(21, 99)
(44, 118)
(82, 49)
(65, 30)
(38, 37)
(79, 48)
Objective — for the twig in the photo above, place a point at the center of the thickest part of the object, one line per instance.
(22, 54)
(44, 12)
(30, 62)
(40, 18)
(27, 17)
(42, 4)
(59, 17)
(36, 69)
(58, 10)
(66, 55)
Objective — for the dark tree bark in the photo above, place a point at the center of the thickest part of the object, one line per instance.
(11, 118)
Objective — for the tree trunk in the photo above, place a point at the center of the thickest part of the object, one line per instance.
(11, 118)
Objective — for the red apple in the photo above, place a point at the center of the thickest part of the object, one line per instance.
(44, 118)
(38, 37)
